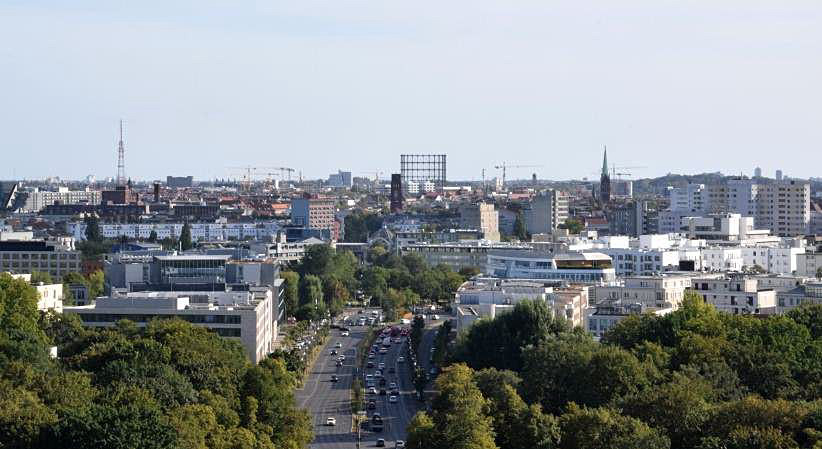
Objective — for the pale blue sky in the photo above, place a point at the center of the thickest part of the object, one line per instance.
(677, 86)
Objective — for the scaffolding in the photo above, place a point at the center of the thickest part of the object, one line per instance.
(421, 168)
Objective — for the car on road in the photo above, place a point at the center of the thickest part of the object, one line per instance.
(370, 364)
(341, 358)
(338, 345)
(334, 378)
(394, 392)
(436, 317)
(383, 392)
(344, 334)
(371, 356)
(392, 399)
(339, 362)
(400, 359)
(372, 390)
(331, 421)
(399, 443)
(392, 385)
(380, 442)
(333, 352)
(371, 405)
(381, 366)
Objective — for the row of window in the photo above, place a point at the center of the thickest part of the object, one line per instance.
(40, 256)
(143, 318)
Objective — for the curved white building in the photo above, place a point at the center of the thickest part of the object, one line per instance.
(571, 267)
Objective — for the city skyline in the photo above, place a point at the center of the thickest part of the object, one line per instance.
(321, 87)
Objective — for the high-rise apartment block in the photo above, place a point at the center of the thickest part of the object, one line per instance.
(314, 212)
(37, 200)
(546, 211)
(783, 206)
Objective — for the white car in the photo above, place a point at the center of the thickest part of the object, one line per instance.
(436, 317)
(399, 443)
(345, 333)
(331, 421)
(392, 399)
(372, 390)
(400, 359)
(381, 366)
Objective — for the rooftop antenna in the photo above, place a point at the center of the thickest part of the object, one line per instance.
(121, 159)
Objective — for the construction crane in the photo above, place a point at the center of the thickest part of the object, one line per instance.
(249, 171)
(282, 170)
(505, 166)
(376, 173)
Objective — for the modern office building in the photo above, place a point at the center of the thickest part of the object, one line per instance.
(176, 182)
(572, 267)
(459, 255)
(482, 216)
(546, 211)
(247, 316)
(341, 179)
(55, 257)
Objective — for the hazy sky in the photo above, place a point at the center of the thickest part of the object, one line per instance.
(676, 86)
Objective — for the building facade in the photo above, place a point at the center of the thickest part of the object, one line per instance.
(482, 216)
(244, 316)
(315, 213)
(546, 211)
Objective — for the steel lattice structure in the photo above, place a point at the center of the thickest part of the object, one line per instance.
(420, 168)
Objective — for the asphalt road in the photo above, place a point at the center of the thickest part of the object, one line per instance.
(396, 416)
(325, 399)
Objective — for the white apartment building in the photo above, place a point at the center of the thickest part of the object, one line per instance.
(808, 264)
(691, 198)
(39, 199)
(781, 206)
(774, 260)
(722, 259)
(736, 295)
(602, 317)
(210, 232)
(247, 317)
(486, 297)
(802, 295)
(656, 292)
(49, 296)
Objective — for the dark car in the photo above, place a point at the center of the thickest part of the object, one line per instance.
(371, 405)
(370, 364)
(383, 392)
(380, 443)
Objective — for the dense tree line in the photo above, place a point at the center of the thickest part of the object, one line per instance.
(360, 225)
(325, 280)
(169, 385)
(695, 378)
